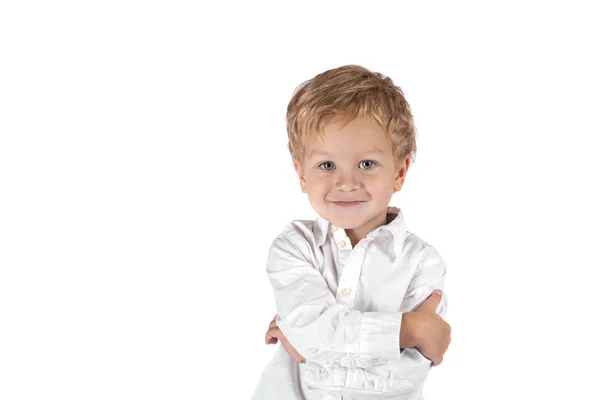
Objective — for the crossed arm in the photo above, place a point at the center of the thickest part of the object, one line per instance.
(311, 325)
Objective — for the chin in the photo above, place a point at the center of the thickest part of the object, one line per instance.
(347, 223)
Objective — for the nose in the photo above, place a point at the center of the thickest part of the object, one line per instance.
(347, 182)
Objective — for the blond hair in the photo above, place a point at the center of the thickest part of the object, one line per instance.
(349, 92)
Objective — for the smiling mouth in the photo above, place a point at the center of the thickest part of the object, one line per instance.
(347, 203)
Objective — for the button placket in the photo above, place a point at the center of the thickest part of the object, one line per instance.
(349, 261)
(351, 277)
(341, 239)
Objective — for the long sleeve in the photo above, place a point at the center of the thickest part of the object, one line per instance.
(430, 275)
(314, 323)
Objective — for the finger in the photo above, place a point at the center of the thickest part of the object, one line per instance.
(297, 357)
(276, 333)
(270, 338)
(431, 303)
(272, 333)
(292, 351)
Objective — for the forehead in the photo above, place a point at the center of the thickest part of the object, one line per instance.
(357, 137)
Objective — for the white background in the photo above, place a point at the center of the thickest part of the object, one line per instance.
(144, 174)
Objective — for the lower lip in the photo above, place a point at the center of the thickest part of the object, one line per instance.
(347, 204)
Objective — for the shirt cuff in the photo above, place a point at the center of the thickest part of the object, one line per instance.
(380, 334)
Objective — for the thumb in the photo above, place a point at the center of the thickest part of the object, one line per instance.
(432, 301)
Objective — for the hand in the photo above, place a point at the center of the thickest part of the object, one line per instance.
(274, 333)
(433, 337)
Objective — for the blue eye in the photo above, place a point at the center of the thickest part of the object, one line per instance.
(369, 164)
(327, 163)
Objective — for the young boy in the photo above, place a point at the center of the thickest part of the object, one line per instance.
(353, 289)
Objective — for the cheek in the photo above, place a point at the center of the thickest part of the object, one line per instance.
(381, 184)
(379, 180)
(317, 187)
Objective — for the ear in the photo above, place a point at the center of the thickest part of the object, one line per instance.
(401, 174)
(300, 172)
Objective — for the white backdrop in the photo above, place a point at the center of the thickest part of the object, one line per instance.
(144, 174)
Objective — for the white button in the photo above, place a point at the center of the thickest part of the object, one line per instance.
(370, 383)
(341, 245)
(324, 375)
(336, 364)
(381, 360)
(346, 292)
(334, 228)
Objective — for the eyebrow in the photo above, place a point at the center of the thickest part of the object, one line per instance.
(323, 153)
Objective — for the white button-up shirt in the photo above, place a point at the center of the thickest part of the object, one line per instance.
(341, 308)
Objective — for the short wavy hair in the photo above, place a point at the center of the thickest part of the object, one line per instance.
(349, 92)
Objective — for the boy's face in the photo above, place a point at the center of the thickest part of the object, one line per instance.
(352, 163)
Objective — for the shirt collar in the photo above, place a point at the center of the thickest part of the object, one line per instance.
(395, 225)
